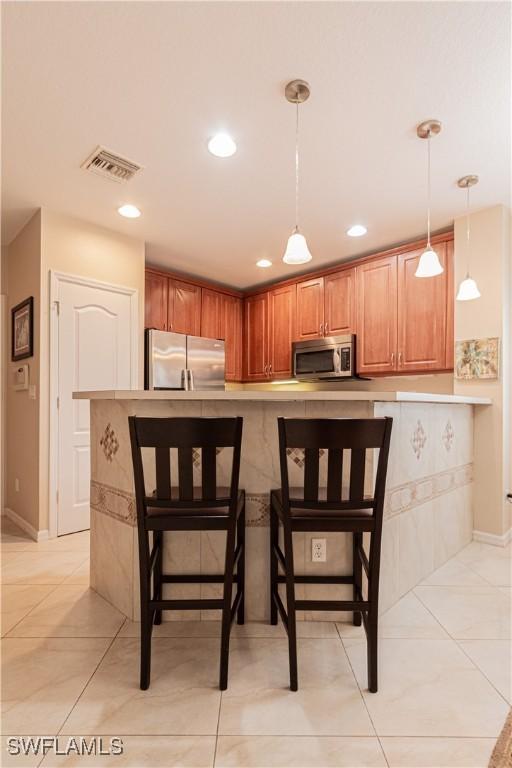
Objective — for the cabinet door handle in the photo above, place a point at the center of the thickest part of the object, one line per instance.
(326, 328)
(270, 369)
(321, 329)
(392, 359)
(399, 359)
(265, 368)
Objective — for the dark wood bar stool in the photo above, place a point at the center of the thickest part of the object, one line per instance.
(183, 507)
(324, 509)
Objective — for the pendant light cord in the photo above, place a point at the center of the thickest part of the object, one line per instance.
(428, 190)
(297, 167)
(467, 231)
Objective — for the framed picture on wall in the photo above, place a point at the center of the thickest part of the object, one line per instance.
(22, 325)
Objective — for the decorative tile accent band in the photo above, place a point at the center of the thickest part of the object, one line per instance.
(113, 502)
(409, 495)
(121, 504)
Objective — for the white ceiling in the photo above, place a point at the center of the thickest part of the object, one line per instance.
(153, 81)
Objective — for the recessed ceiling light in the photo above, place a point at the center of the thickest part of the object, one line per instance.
(222, 145)
(357, 230)
(264, 263)
(129, 211)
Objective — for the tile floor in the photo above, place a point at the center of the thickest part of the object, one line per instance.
(70, 668)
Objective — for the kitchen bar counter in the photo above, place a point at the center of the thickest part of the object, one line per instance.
(280, 395)
(428, 509)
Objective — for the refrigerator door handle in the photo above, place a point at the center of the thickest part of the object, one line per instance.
(191, 379)
(184, 379)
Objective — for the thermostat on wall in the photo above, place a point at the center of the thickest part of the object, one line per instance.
(21, 377)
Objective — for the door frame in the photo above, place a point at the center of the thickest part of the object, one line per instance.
(56, 280)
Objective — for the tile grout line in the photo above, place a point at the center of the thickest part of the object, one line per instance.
(109, 646)
(217, 732)
(361, 694)
(457, 643)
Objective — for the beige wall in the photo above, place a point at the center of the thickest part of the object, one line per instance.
(488, 316)
(86, 250)
(53, 241)
(22, 413)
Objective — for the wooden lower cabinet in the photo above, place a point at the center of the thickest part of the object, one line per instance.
(376, 326)
(281, 328)
(422, 314)
(255, 365)
(155, 301)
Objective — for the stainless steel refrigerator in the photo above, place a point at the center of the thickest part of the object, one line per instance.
(178, 361)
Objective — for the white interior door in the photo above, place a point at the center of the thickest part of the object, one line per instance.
(95, 350)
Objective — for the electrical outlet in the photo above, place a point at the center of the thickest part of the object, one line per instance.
(318, 550)
(16, 484)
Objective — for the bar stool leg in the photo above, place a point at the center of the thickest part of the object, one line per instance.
(290, 600)
(357, 540)
(240, 569)
(146, 615)
(226, 611)
(157, 571)
(371, 647)
(274, 539)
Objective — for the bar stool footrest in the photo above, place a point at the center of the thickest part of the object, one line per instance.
(331, 605)
(318, 579)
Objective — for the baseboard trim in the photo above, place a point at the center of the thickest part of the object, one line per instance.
(25, 526)
(493, 538)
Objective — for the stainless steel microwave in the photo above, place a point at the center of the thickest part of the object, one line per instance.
(329, 358)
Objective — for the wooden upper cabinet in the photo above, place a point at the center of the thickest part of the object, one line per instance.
(155, 301)
(256, 337)
(376, 316)
(450, 307)
(184, 308)
(339, 303)
(211, 314)
(310, 309)
(422, 314)
(282, 307)
(231, 332)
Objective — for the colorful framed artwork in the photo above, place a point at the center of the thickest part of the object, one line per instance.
(477, 358)
(22, 325)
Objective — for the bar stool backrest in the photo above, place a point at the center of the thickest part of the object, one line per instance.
(196, 440)
(342, 439)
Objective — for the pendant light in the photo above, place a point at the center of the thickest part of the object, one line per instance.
(297, 251)
(468, 288)
(429, 264)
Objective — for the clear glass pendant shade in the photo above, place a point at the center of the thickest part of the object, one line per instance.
(297, 251)
(468, 290)
(429, 264)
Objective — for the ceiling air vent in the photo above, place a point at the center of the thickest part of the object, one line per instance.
(105, 163)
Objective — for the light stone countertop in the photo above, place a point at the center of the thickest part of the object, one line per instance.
(280, 396)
